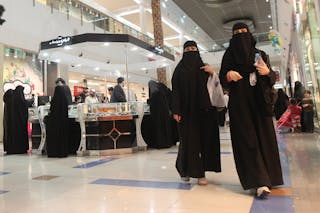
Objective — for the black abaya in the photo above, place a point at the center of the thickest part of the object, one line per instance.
(19, 143)
(57, 125)
(199, 148)
(252, 132)
(161, 117)
(7, 118)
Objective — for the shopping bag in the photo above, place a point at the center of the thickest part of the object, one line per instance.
(215, 91)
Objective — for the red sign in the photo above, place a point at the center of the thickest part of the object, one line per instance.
(77, 90)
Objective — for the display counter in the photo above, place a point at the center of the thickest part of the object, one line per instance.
(104, 129)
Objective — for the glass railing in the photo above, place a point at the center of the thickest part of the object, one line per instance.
(86, 14)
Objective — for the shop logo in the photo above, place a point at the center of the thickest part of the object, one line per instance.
(60, 41)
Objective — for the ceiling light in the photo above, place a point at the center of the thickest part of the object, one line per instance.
(269, 16)
(67, 47)
(106, 44)
(73, 81)
(267, 0)
(270, 27)
(134, 48)
(97, 68)
(129, 12)
(164, 5)
(143, 68)
(78, 65)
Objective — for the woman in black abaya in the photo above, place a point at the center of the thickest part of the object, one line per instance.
(253, 136)
(57, 125)
(19, 143)
(161, 119)
(199, 149)
(281, 104)
(7, 119)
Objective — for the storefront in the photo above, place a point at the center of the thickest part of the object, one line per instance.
(307, 51)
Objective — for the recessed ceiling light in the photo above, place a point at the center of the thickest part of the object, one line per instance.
(106, 44)
(270, 27)
(143, 68)
(67, 47)
(134, 48)
(97, 68)
(269, 16)
(164, 5)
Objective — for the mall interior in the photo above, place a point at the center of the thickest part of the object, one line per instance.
(115, 165)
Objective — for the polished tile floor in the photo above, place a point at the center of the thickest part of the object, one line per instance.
(148, 182)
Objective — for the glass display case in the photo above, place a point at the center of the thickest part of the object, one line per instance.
(110, 126)
(103, 126)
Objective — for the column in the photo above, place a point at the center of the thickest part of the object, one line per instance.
(158, 36)
(143, 18)
(1, 91)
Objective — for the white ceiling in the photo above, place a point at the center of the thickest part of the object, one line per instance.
(95, 58)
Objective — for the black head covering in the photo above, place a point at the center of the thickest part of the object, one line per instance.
(189, 43)
(242, 46)
(191, 59)
(7, 96)
(60, 80)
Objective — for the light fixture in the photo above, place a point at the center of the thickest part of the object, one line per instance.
(97, 68)
(270, 27)
(134, 48)
(67, 47)
(269, 16)
(143, 68)
(73, 81)
(106, 44)
(164, 5)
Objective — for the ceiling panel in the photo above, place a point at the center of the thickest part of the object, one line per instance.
(113, 5)
(135, 19)
(210, 15)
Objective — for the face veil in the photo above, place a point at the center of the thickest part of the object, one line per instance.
(242, 46)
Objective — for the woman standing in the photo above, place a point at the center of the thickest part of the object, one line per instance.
(199, 148)
(250, 109)
(57, 125)
(19, 143)
(7, 119)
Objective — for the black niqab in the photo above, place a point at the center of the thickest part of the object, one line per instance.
(242, 47)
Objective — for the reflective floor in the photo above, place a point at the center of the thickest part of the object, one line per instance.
(148, 182)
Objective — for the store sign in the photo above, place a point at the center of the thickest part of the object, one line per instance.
(60, 41)
(158, 50)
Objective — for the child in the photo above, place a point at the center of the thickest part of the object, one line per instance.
(290, 120)
(307, 113)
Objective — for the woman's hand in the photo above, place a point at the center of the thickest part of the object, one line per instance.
(177, 117)
(207, 68)
(233, 76)
(262, 68)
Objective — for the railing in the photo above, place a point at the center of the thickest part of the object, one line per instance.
(87, 14)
